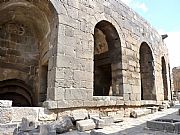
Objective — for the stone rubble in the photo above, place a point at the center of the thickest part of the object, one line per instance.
(85, 125)
(140, 112)
(90, 126)
(98, 122)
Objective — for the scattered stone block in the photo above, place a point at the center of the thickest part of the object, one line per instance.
(85, 125)
(139, 112)
(107, 120)
(93, 115)
(99, 122)
(155, 125)
(162, 107)
(5, 103)
(116, 117)
(177, 127)
(79, 114)
(30, 113)
(153, 109)
(27, 125)
(62, 125)
(5, 115)
(47, 130)
(168, 125)
(46, 115)
(7, 128)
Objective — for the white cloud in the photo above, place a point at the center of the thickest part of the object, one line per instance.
(173, 45)
(134, 4)
(141, 6)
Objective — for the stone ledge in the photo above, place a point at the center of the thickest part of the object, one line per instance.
(64, 104)
(98, 101)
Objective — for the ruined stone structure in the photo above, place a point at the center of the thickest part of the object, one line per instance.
(80, 53)
(176, 80)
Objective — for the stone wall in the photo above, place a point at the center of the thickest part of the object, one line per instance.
(87, 54)
(176, 79)
(76, 55)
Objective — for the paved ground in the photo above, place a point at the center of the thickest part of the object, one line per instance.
(136, 126)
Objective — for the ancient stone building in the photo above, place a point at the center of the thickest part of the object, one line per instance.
(176, 80)
(80, 53)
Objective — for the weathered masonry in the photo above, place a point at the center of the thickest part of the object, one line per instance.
(176, 80)
(80, 53)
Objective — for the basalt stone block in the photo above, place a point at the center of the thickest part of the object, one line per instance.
(107, 120)
(153, 109)
(62, 125)
(27, 125)
(155, 125)
(85, 125)
(139, 112)
(47, 130)
(99, 122)
(169, 125)
(177, 127)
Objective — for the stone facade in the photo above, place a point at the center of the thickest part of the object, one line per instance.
(176, 80)
(79, 53)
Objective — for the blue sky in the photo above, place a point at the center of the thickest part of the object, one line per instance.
(164, 16)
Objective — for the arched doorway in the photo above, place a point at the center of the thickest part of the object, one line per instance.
(147, 73)
(107, 60)
(17, 91)
(28, 32)
(164, 78)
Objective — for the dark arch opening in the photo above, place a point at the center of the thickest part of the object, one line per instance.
(17, 91)
(147, 73)
(107, 60)
(164, 78)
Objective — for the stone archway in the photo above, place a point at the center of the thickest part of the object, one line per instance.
(164, 78)
(28, 32)
(147, 73)
(107, 60)
(17, 91)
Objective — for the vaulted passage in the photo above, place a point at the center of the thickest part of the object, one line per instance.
(164, 77)
(17, 91)
(27, 30)
(147, 73)
(107, 61)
